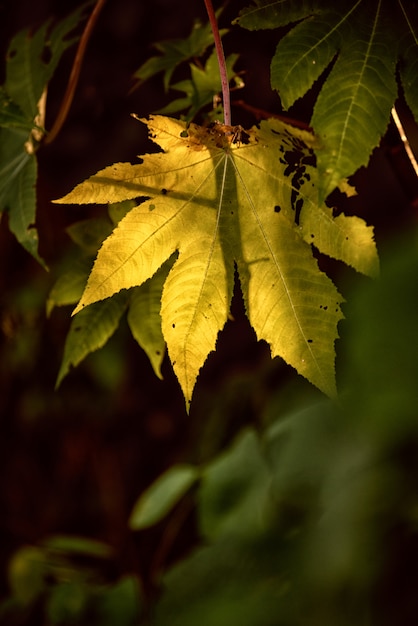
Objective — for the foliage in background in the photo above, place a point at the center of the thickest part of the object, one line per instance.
(297, 522)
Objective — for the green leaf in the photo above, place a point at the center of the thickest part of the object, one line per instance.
(26, 574)
(359, 42)
(203, 86)
(69, 287)
(90, 331)
(220, 202)
(120, 209)
(27, 71)
(144, 316)
(176, 51)
(11, 116)
(18, 174)
(351, 124)
(160, 498)
(409, 61)
(74, 544)
(89, 234)
(121, 603)
(272, 14)
(235, 491)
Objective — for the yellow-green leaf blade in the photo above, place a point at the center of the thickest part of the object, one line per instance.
(290, 303)
(293, 306)
(195, 307)
(345, 238)
(215, 200)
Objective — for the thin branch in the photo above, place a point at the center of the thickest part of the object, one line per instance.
(75, 73)
(221, 61)
(261, 114)
(405, 141)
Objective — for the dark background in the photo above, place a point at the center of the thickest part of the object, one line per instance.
(76, 459)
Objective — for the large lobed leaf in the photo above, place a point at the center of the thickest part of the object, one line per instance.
(221, 203)
(359, 43)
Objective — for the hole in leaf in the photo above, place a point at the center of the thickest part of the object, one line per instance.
(277, 208)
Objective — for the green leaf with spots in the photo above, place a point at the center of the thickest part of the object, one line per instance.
(353, 47)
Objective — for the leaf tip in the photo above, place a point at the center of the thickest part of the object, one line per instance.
(80, 306)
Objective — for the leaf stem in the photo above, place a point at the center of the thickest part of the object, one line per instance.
(75, 73)
(221, 62)
(404, 139)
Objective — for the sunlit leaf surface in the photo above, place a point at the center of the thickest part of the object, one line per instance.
(225, 198)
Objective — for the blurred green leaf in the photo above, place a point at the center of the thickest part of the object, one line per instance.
(226, 583)
(89, 234)
(160, 498)
(67, 603)
(118, 210)
(91, 330)
(144, 317)
(27, 570)
(73, 544)
(120, 604)
(233, 497)
(69, 285)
